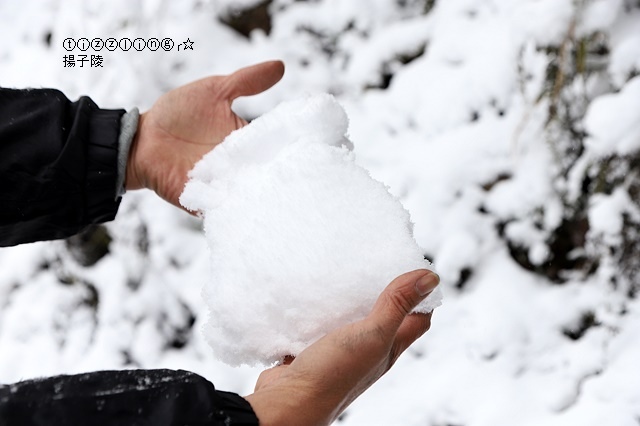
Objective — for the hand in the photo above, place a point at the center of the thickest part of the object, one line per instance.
(315, 387)
(186, 123)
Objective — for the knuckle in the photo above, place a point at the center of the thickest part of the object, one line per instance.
(400, 302)
(375, 337)
(380, 333)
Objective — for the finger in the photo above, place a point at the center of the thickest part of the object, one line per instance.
(400, 298)
(254, 79)
(411, 329)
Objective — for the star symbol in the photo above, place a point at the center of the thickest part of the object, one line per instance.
(188, 44)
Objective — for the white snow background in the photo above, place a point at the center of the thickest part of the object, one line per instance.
(459, 107)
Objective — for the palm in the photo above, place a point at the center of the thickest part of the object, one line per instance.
(186, 123)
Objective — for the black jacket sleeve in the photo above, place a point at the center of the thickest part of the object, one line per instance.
(58, 165)
(58, 174)
(123, 398)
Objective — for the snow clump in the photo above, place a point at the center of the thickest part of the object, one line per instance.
(302, 240)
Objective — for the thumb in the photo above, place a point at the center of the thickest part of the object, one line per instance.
(254, 79)
(401, 297)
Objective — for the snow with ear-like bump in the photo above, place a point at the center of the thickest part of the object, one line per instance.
(302, 240)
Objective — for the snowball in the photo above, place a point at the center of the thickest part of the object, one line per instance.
(302, 240)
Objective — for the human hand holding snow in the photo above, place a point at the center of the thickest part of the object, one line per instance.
(325, 378)
(186, 123)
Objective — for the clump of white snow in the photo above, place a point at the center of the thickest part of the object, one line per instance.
(613, 121)
(302, 240)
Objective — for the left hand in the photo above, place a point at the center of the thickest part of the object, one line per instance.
(186, 123)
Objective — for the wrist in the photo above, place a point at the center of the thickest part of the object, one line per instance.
(128, 130)
(272, 410)
(277, 407)
(132, 178)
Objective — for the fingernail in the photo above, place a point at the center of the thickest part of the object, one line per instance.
(427, 283)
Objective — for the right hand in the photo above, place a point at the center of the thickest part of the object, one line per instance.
(318, 385)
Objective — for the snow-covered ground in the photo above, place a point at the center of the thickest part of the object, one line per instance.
(510, 130)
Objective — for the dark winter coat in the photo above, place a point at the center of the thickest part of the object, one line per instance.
(58, 165)
(122, 398)
(58, 173)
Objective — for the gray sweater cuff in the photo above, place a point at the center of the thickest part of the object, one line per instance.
(128, 127)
